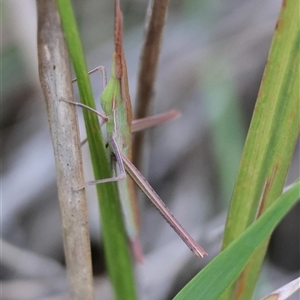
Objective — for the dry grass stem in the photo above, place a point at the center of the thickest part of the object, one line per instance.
(155, 22)
(55, 79)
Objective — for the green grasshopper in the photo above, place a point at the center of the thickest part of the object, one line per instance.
(116, 104)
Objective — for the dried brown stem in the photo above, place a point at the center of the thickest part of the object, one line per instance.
(55, 77)
(156, 16)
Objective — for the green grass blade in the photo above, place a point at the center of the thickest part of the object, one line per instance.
(270, 143)
(221, 272)
(116, 247)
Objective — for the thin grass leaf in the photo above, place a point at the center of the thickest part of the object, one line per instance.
(221, 272)
(116, 247)
(270, 143)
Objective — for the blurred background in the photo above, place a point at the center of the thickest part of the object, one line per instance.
(212, 59)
